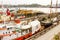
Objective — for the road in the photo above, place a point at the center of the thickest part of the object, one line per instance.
(50, 34)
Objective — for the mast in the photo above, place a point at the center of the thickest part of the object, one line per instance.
(3, 13)
(56, 7)
(50, 9)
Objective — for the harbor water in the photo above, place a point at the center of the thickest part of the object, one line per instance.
(45, 10)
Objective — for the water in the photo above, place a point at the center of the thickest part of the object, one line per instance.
(45, 10)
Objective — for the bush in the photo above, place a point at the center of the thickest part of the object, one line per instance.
(56, 37)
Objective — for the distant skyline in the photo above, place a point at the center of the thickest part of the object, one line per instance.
(16, 2)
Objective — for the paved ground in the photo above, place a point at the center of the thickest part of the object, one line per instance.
(50, 34)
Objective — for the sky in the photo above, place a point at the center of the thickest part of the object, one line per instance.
(16, 2)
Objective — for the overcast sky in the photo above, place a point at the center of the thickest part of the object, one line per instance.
(16, 2)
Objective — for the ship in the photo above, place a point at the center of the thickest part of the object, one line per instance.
(12, 28)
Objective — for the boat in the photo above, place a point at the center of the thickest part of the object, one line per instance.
(17, 29)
